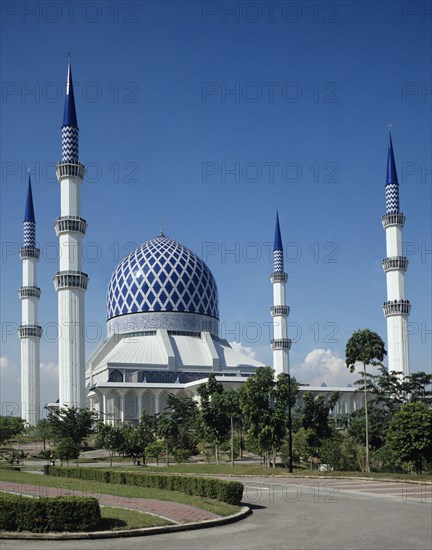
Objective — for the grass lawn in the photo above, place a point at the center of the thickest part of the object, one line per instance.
(257, 470)
(94, 487)
(114, 519)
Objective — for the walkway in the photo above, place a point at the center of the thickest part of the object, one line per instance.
(173, 511)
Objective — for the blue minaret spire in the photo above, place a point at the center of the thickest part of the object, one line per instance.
(70, 124)
(280, 342)
(29, 223)
(278, 262)
(392, 184)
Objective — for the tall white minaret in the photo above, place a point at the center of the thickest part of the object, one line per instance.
(280, 344)
(396, 308)
(30, 332)
(70, 281)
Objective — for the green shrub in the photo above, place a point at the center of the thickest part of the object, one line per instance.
(39, 515)
(230, 492)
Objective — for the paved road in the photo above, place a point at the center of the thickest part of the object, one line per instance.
(299, 514)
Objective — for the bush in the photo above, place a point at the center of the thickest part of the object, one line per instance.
(230, 492)
(39, 515)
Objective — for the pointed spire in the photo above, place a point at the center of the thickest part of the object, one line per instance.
(278, 239)
(29, 210)
(391, 165)
(392, 184)
(69, 117)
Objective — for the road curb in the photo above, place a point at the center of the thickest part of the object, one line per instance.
(244, 512)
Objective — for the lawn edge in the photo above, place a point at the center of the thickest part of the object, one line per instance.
(244, 512)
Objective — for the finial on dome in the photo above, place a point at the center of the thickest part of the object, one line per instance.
(161, 234)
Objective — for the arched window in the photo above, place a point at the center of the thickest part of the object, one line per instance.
(148, 403)
(113, 413)
(115, 376)
(131, 406)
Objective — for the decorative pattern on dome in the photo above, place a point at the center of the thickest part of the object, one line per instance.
(159, 276)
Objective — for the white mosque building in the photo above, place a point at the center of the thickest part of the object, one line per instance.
(163, 313)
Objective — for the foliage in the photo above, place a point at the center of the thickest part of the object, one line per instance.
(10, 426)
(155, 450)
(230, 492)
(378, 421)
(409, 436)
(178, 427)
(136, 440)
(109, 438)
(72, 423)
(264, 404)
(315, 418)
(365, 347)
(67, 449)
(18, 513)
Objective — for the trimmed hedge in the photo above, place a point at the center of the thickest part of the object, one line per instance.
(40, 515)
(230, 492)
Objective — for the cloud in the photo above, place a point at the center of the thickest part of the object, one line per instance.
(237, 346)
(324, 366)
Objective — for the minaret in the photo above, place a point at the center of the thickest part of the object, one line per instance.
(396, 308)
(30, 332)
(70, 281)
(280, 344)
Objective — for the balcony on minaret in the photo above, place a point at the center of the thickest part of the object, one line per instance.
(70, 223)
(279, 277)
(68, 169)
(397, 219)
(397, 307)
(29, 292)
(28, 331)
(279, 310)
(71, 279)
(395, 262)
(29, 252)
(280, 343)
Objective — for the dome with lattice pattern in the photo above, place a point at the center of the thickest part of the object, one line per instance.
(162, 285)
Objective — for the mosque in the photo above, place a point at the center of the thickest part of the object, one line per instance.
(163, 312)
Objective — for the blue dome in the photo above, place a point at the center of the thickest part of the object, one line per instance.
(159, 277)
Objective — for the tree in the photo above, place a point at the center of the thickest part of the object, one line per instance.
(409, 436)
(67, 449)
(365, 347)
(10, 426)
(71, 423)
(215, 421)
(136, 439)
(264, 404)
(109, 438)
(315, 418)
(231, 403)
(178, 426)
(155, 450)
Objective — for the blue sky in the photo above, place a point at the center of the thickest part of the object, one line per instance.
(209, 116)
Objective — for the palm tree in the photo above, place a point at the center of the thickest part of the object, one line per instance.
(365, 347)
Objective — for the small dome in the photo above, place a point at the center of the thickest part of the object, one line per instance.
(162, 277)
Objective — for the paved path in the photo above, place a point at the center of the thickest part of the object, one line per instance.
(297, 513)
(174, 511)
